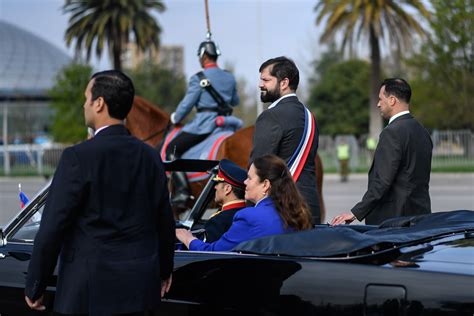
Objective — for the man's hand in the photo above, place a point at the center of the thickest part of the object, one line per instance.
(165, 285)
(36, 305)
(344, 218)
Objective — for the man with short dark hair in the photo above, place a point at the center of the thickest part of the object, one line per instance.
(400, 173)
(207, 108)
(287, 128)
(230, 194)
(107, 216)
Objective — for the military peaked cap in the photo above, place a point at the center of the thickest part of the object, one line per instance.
(231, 173)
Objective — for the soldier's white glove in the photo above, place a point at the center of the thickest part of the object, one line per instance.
(172, 118)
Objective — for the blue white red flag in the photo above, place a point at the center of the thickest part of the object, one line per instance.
(23, 198)
(298, 160)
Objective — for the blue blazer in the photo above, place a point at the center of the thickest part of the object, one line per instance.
(249, 223)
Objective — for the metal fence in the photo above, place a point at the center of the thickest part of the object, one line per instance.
(30, 159)
(453, 150)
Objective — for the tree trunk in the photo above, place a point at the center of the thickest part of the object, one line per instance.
(375, 122)
(117, 55)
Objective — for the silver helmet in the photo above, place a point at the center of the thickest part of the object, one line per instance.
(208, 47)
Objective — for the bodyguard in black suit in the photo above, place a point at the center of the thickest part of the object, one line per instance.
(400, 173)
(107, 216)
(280, 128)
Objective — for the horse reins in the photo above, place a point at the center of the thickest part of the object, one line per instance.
(164, 129)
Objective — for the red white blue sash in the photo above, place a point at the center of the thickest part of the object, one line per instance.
(299, 157)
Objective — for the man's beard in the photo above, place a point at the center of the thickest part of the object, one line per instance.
(270, 95)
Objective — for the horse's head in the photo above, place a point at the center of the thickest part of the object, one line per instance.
(147, 122)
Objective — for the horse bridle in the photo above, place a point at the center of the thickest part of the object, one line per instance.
(163, 130)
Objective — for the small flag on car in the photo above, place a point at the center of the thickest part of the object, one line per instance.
(23, 198)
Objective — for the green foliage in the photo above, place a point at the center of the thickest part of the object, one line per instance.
(162, 86)
(339, 99)
(376, 22)
(68, 98)
(378, 19)
(443, 85)
(96, 23)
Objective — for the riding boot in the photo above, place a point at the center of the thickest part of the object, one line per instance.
(181, 192)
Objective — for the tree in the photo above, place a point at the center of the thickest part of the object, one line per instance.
(68, 124)
(340, 97)
(443, 83)
(375, 20)
(161, 86)
(94, 22)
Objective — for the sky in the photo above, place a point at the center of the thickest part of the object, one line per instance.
(248, 32)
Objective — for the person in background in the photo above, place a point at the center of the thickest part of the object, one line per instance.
(371, 144)
(343, 156)
(230, 194)
(400, 173)
(107, 216)
(279, 208)
(207, 107)
(287, 128)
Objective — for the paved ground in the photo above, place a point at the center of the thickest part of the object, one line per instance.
(448, 192)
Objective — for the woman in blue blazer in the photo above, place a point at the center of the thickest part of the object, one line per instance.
(279, 208)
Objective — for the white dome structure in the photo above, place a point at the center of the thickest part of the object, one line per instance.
(28, 64)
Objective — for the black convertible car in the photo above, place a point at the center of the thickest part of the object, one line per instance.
(406, 266)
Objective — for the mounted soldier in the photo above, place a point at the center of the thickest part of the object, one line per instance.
(213, 91)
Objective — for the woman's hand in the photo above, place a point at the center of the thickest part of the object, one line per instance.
(184, 236)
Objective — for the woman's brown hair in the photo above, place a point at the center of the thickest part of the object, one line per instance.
(283, 191)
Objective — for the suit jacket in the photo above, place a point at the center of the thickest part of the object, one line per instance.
(278, 131)
(217, 225)
(204, 122)
(249, 223)
(400, 173)
(108, 219)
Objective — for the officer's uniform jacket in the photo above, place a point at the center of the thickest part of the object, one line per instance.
(221, 221)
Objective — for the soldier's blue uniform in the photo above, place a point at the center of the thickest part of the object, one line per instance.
(204, 121)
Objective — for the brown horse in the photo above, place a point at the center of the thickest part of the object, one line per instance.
(149, 123)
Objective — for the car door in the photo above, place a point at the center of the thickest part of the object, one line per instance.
(14, 259)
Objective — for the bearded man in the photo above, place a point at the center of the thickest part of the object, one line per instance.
(287, 128)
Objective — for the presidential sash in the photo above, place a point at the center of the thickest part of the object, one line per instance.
(299, 157)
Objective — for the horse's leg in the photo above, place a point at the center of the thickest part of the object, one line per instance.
(319, 180)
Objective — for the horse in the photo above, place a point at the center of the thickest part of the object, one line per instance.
(149, 123)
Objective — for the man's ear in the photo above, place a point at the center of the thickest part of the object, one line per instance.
(99, 104)
(284, 83)
(393, 100)
(227, 189)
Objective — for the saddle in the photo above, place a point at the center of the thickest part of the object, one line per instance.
(208, 148)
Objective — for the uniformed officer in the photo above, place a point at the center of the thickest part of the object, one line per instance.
(230, 194)
(207, 111)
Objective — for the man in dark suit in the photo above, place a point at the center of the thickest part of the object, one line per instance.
(400, 173)
(107, 216)
(280, 129)
(230, 194)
